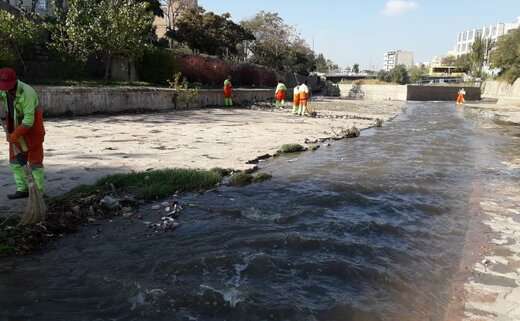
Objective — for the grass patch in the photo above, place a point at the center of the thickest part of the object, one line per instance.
(291, 148)
(6, 250)
(222, 171)
(241, 179)
(162, 183)
(262, 177)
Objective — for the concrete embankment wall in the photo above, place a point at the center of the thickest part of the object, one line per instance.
(373, 92)
(405, 92)
(441, 93)
(58, 101)
(502, 91)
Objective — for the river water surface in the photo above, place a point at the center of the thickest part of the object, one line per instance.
(366, 229)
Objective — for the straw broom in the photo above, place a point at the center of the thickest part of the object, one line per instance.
(35, 210)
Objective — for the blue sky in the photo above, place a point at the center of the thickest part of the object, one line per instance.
(353, 31)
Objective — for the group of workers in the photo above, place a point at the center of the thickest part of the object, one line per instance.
(301, 96)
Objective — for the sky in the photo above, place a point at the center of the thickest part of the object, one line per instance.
(354, 31)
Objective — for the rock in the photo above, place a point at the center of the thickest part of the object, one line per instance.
(91, 220)
(128, 215)
(76, 209)
(164, 204)
(109, 203)
(156, 207)
(379, 122)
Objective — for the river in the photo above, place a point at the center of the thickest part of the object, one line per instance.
(368, 229)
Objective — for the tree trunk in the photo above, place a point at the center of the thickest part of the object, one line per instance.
(108, 66)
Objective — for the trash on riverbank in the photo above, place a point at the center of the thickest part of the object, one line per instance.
(112, 196)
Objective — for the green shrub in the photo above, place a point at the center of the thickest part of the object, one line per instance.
(157, 66)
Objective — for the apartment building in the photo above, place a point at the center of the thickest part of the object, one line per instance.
(395, 58)
(466, 38)
(171, 13)
(42, 7)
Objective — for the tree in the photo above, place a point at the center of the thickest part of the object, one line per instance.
(210, 33)
(477, 56)
(449, 60)
(273, 38)
(321, 64)
(400, 75)
(417, 73)
(277, 44)
(16, 32)
(105, 28)
(355, 68)
(506, 56)
(385, 76)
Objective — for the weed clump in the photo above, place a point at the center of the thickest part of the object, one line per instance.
(241, 179)
(291, 148)
(262, 177)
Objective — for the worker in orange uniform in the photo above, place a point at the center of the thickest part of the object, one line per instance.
(296, 100)
(280, 93)
(24, 128)
(461, 98)
(304, 98)
(228, 92)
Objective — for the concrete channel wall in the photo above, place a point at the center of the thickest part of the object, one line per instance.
(78, 101)
(441, 93)
(405, 92)
(373, 92)
(505, 93)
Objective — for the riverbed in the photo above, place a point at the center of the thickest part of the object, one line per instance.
(368, 229)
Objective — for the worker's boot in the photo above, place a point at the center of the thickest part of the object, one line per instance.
(20, 181)
(18, 195)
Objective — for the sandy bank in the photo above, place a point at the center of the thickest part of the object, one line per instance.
(82, 150)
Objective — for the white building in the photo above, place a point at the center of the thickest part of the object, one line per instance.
(40, 6)
(171, 13)
(466, 38)
(395, 58)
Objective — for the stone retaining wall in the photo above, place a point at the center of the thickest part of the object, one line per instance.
(502, 91)
(58, 101)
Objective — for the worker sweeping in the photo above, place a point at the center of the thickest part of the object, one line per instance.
(280, 93)
(296, 100)
(25, 131)
(461, 98)
(304, 97)
(228, 92)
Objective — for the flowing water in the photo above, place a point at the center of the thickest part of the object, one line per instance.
(366, 229)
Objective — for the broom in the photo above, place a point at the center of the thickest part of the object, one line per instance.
(35, 210)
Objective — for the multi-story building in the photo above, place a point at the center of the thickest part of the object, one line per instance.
(466, 38)
(172, 12)
(42, 7)
(395, 58)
